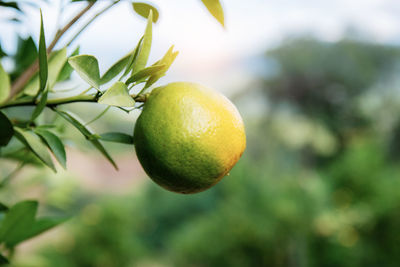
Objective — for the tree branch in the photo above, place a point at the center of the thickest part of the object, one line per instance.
(22, 80)
(90, 21)
(65, 100)
(61, 32)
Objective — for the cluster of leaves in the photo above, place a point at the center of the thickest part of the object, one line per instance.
(36, 71)
(19, 223)
(56, 67)
(325, 88)
(37, 138)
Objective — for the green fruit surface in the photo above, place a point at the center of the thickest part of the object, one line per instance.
(188, 137)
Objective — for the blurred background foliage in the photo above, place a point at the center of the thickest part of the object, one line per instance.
(317, 186)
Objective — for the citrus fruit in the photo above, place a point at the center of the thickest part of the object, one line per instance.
(188, 137)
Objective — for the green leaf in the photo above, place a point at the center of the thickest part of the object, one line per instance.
(32, 88)
(56, 64)
(57, 60)
(3, 207)
(10, 5)
(36, 146)
(167, 60)
(40, 106)
(25, 156)
(144, 50)
(89, 135)
(117, 95)
(87, 67)
(43, 74)
(143, 10)
(66, 70)
(7, 130)
(17, 222)
(133, 57)
(2, 53)
(144, 73)
(215, 8)
(117, 137)
(41, 225)
(75, 122)
(115, 69)
(46, 126)
(43, 70)
(3, 260)
(5, 85)
(26, 54)
(54, 144)
(98, 116)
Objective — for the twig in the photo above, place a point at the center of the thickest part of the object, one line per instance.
(98, 116)
(21, 81)
(90, 21)
(65, 100)
(61, 32)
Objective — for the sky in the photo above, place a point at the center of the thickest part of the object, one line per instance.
(209, 53)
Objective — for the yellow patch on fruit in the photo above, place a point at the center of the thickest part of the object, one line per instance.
(188, 137)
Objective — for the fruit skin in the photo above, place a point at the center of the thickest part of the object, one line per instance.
(188, 137)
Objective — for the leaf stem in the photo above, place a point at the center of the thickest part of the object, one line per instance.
(98, 116)
(85, 91)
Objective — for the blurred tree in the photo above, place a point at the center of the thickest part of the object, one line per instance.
(324, 81)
